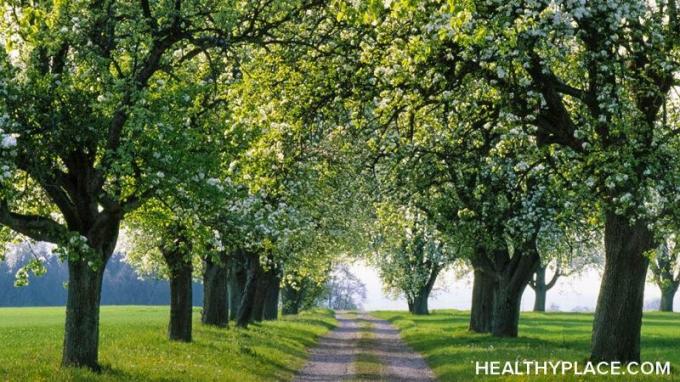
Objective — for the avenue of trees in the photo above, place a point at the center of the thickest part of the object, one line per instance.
(255, 145)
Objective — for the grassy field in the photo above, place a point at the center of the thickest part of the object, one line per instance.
(451, 350)
(133, 346)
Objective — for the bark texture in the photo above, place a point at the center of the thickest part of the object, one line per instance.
(246, 306)
(81, 335)
(483, 290)
(618, 316)
(238, 274)
(260, 295)
(514, 274)
(271, 303)
(181, 269)
(215, 302)
(81, 328)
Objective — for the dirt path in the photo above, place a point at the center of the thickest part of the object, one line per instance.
(364, 348)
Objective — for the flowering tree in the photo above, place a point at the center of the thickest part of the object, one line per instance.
(591, 82)
(158, 233)
(87, 88)
(565, 251)
(409, 254)
(665, 266)
(586, 87)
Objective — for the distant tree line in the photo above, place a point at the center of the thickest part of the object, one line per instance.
(122, 285)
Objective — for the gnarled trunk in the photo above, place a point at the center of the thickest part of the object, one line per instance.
(215, 302)
(81, 335)
(238, 274)
(291, 299)
(260, 295)
(513, 279)
(246, 306)
(483, 291)
(271, 302)
(180, 269)
(418, 303)
(618, 316)
(506, 310)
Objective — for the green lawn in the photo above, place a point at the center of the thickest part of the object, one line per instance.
(451, 350)
(133, 346)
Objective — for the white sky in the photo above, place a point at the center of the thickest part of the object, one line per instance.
(568, 293)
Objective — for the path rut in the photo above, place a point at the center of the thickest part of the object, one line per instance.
(334, 357)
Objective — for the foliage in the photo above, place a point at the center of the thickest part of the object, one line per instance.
(342, 290)
(408, 252)
(665, 264)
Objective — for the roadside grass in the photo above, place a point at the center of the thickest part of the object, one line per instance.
(451, 350)
(367, 365)
(133, 347)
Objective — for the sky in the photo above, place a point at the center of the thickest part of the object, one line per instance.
(572, 292)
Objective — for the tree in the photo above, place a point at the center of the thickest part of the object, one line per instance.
(84, 85)
(593, 84)
(169, 243)
(297, 168)
(121, 284)
(409, 254)
(438, 141)
(588, 84)
(666, 272)
(343, 290)
(215, 290)
(567, 251)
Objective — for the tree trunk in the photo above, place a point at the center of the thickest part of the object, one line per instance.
(260, 295)
(81, 334)
(420, 304)
(245, 309)
(514, 278)
(81, 329)
(481, 312)
(409, 301)
(667, 296)
(506, 309)
(540, 289)
(237, 283)
(180, 267)
(618, 316)
(422, 296)
(215, 301)
(539, 302)
(290, 300)
(271, 303)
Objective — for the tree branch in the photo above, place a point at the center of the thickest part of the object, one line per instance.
(36, 227)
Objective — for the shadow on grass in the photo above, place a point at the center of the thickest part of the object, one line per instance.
(451, 350)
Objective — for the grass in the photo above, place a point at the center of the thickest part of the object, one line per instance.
(367, 364)
(133, 346)
(451, 351)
